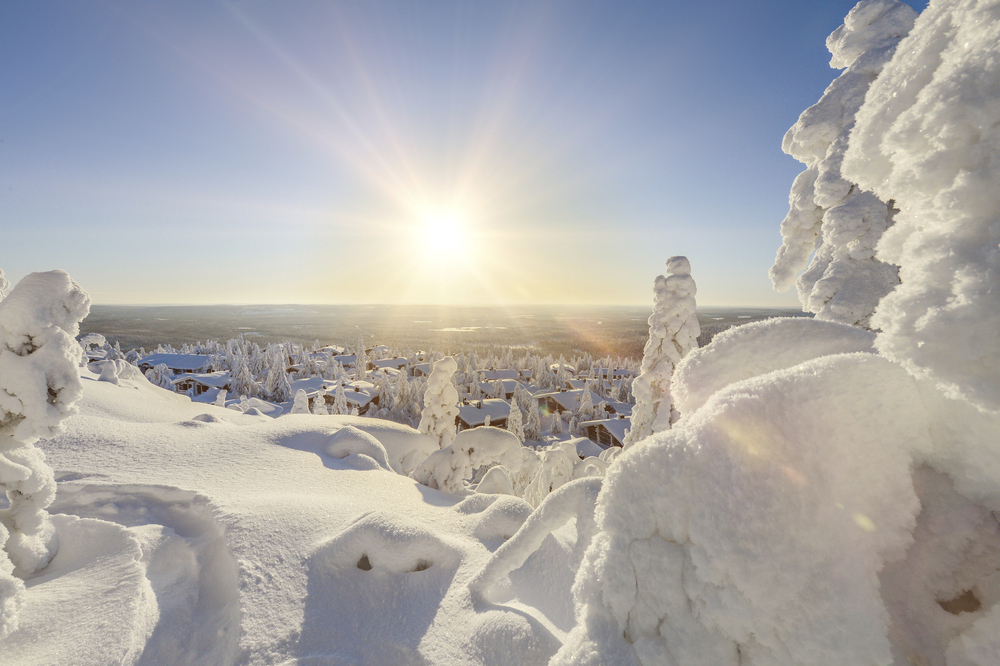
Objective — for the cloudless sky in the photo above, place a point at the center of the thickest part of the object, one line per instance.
(403, 152)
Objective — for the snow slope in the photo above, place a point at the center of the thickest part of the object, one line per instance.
(196, 534)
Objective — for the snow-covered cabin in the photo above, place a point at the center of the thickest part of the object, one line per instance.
(493, 375)
(421, 370)
(199, 383)
(393, 363)
(509, 386)
(177, 363)
(564, 401)
(606, 432)
(472, 414)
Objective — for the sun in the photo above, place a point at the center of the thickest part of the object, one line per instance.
(444, 234)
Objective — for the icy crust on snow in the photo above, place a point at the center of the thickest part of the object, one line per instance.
(830, 218)
(928, 137)
(756, 529)
(758, 348)
(449, 468)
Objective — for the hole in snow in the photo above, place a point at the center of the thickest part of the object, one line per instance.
(422, 565)
(364, 564)
(967, 602)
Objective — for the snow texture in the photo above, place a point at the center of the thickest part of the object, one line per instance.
(575, 500)
(440, 403)
(449, 468)
(830, 218)
(758, 348)
(757, 527)
(928, 137)
(673, 332)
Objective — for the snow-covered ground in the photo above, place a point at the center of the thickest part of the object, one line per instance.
(196, 534)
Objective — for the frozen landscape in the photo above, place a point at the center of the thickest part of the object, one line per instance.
(790, 491)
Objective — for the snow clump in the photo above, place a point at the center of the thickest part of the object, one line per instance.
(831, 218)
(449, 468)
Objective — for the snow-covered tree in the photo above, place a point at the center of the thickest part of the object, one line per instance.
(241, 379)
(586, 409)
(533, 422)
(556, 426)
(339, 406)
(277, 388)
(486, 421)
(161, 376)
(319, 407)
(673, 332)
(361, 363)
(831, 218)
(220, 399)
(440, 403)
(4, 286)
(515, 421)
(301, 404)
(498, 389)
(573, 428)
(39, 386)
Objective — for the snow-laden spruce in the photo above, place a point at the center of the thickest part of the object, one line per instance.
(928, 137)
(440, 403)
(39, 384)
(830, 218)
(673, 332)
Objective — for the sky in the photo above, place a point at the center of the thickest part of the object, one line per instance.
(492, 153)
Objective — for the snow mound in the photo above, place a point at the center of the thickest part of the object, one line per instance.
(928, 137)
(758, 348)
(408, 568)
(449, 468)
(357, 448)
(756, 529)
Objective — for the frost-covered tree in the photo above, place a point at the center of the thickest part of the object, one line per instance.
(39, 386)
(831, 218)
(161, 376)
(4, 286)
(319, 407)
(277, 387)
(339, 406)
(533, 422)
(361, 363)
(486, 421)
(928, 139)
(220, 399)
(515, 421)
(301, 403)
(241, 379)
(586, 409)
(498, 389)
(440, 403)
(673, 332)
(556, 426)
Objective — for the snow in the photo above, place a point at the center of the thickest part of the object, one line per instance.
(927, 137)
(830, 218)
(673, 332)
(820, 494)
(759, 348)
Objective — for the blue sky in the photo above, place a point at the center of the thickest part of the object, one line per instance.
(403, 152)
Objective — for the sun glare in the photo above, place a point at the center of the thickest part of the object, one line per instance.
(444, 233)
